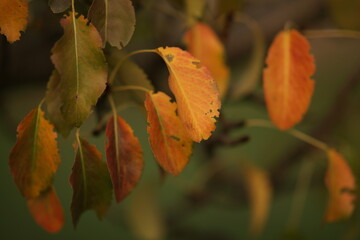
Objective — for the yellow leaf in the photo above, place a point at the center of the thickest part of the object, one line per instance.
(169, 143)
(287, 85)
(144, 214)
(340, 183)
(260, 194)
(195, 90)
(13, 18)
(203, 43)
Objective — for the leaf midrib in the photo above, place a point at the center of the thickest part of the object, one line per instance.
(286, 79)
(34, 151)
(161, 127)
(171, 70)
(77, 68)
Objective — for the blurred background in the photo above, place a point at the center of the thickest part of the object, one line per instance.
(214, 197)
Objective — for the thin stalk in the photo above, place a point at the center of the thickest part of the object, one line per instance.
(295, 133)
(130, 87)
(332, 33)
(121, 62)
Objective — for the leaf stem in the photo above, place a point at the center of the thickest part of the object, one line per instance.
(130, 87)
(295, 133)
(121, 62)
(41, 103)
(112, 105)
(332, 33)
(116, 136)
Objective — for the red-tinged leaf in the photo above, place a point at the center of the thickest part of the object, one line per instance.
(13, 18)
(115, 21)
(203, 43)
(90, 181)
(35, 156)
(169, 142)
(340, 183)
(195, 90)
(81, 74)
(260, 194)
(287, 85)
(124, 157)
(47, 211)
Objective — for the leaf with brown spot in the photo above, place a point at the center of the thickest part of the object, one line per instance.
(169, 142)
(287, 85)
(81, 74)
(115, 21)
(13, 18)
(47, 211)
(35, 157)
(90, 181)
(203, 43)
(124, 157)
(340, 183)
(195, 90)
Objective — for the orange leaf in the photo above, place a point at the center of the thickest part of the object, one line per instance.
(169, 143)
(340, 183)
(13, 18)
(287, 84)
(124, 157)
(47, 211)
(195, 90)
(35, 156)
(260, 193)
(204, 44)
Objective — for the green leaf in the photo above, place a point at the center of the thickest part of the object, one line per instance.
(82, 73)
(251, 75)
(58, 6)
(114, 19)
(90, 180)
(53, 100)
(129, 74)
(35, 156)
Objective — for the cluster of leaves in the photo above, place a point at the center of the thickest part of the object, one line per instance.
(197, 78)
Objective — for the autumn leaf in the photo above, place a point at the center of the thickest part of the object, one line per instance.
(260, 194)
(47, 210)
(340, 183)
(144, 213)
(53, 101)
(195, 90)
(35, 156)
(13, 18)
(287, 84)
(90, 181)
(58, 6)
(115, 21)
(169, 142)
(124, 157)
(81, 73)
(203, 43)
